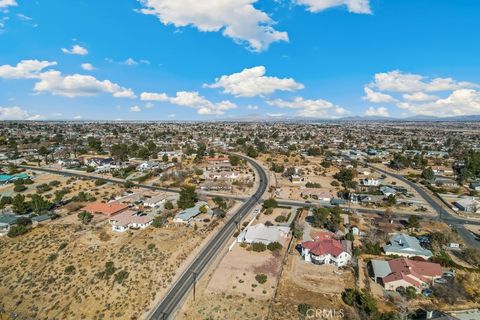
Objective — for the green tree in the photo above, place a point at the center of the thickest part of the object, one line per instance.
(85, 217)
(234, 160)
(428, 174)
(220, 203)
(413, 221)
(19, 205)
(410, 293)
(261, 278)
(270, 203)
(119, 152)
(39, 204)
(187, 198)
(165, 157)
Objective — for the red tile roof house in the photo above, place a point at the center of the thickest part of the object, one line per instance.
(405, 273)
(107, 209)
(130, 219)
(325, 249)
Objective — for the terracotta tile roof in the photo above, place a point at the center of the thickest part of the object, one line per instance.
(412, 271)
(324, 243)
(108, 209)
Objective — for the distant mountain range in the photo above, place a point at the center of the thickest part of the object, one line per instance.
(267, 118)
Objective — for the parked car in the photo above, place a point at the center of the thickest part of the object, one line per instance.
(441, 281)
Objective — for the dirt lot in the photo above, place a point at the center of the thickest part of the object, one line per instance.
(54, 271)
(310, 284)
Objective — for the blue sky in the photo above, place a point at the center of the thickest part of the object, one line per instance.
(221, 59)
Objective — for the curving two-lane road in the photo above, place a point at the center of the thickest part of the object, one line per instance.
(177, 293)
(443, 214)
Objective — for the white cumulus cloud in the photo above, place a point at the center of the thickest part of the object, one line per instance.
(236, 19)
(87, 66)
(78, 85)
(253, 82)
(76, 49)
(151, 96)
(378, 112)
(460, 102)
(377, 97)
(7, 3)
(419, 96)
(354, 6)
(135, 109)
(17, 113)
(310, 108)
(191, 99)
(397, 81)
(25, 69)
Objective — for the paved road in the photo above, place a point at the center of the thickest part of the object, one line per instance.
(177, 293)
(457, 223)
(94, 176)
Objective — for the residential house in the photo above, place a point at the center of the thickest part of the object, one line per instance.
(471, 205)
(295, 178)
(445, 182)
(404, 273)
(69, 163)
(442, 171)
(325, 249)
(218, 163)
(106, 209)
(187, 215)
(387, 191)
(130, 219)
(261, 233)
(157, 200)
(475, 185)
(406, 246)
(369, 182)
(148, 166)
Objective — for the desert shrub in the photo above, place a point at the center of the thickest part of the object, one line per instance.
(70, 269)
(54, 183)
(19, 188)
(52, 257)
(274, 246)
(100, 182)
(85, 217)
(17, 230)
(280, 219)
(121, 276)
(261, 278)
(258, 247)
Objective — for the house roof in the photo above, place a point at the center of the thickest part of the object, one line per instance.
(189, 213)
(264, 234)
(403, 243)
(411, 271)
(323, 244)
(107, 209)
(128, 217)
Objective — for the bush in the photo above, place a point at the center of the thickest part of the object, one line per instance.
(280, 219)
(274, 246)
(121, 276)
(54, 183)
(100, 182)
(17, 231)
(85, 217)
(261, 278)
(159, 221)
(19, 188)
(52, 257)
(258, 247)
(168, 205)
(70, 269)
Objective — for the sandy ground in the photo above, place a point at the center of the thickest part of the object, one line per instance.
(42, 287)
(236, 273)
(310, 284)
